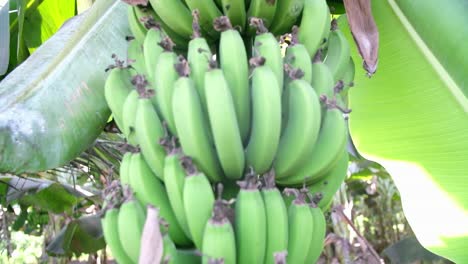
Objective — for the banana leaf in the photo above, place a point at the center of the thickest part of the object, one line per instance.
(37, 25)
(412, 116)
(4, 36)
(45, 194)
(52, 107)
(81, 235)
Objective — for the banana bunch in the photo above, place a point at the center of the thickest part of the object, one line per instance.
(123, 222)
(264, 228)
(202, 105)
(176, 19)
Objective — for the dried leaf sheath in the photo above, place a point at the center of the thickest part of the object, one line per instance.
(364, 31)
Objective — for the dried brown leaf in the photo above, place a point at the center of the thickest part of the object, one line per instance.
(364, 31)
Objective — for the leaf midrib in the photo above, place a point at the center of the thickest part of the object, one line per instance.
(453, 87)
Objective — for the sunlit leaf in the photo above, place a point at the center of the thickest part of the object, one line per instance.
(45, 20)
(412, 116)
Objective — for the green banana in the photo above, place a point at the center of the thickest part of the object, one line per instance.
(198, 201)
(338, 54)
(193, 130)
(175, 15)
(349, 74)
(165, 76)
(234, 63)
(198, 56)
(116, 89)
(297, 65)
(152, 50)
(302, 129)
(223, 122)
(136, 28)
(236, 12)
(286, 15)
(322, 79)
(169, 250)
(263, 9)
(174, 179)
(124, 169)
(266, 119)
(148, 133)
(148, 17)
(318, 234)
(150, 190)
(298, 57)
(172, 255)
(208, 13)
(135, 56)
(324, 189)
(266, 45)
(130, 228)
(348, 78)
(325, 154)
(250, 222)
(300, 228)
(129, 115)
(111, 235)
(277, 218)
(314, 25)
(219, 241)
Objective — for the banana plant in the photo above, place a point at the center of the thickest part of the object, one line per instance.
(412, 116)
(52, 106)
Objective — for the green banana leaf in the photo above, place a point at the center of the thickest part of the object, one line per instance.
(41, 22)
(52, 107)
(32, 22)
(412, 116)
(4, 35)
(81, 235)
